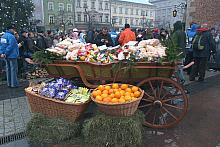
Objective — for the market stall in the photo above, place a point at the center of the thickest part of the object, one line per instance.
(161, 98)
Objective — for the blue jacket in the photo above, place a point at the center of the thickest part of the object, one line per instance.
(9, 46)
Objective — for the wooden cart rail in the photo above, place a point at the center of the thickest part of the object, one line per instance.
(99, 72)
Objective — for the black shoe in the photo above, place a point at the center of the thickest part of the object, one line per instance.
(200, 79)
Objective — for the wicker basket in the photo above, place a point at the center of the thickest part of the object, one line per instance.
(55, 108)
(124, 109)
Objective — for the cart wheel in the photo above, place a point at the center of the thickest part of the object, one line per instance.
(164, 103)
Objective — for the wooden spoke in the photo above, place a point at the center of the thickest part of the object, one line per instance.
(163, 116)
(155, 113)
(146, 105)
(170, 113)
(148, 95)
(172, 106)
(161, 87)
(151, 86)
(170, 99)
(148, 112)
(147, 100)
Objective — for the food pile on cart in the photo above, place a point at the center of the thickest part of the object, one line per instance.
(119, 80)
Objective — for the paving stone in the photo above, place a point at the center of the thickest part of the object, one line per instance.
(9, 125)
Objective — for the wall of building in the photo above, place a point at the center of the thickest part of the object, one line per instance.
(96, 14)
(204, 11)
(136, 14)
(164, 12)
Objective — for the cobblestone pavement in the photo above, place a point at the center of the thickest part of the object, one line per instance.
(14, 115)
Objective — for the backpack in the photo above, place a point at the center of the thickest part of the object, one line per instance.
(197, 42)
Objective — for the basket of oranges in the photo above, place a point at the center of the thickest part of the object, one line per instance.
(117, 99)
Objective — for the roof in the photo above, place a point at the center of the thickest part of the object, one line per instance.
(138, 1)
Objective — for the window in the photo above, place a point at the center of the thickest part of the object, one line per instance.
(132, 11)
(120, 10)
(137, 22)
(142, 13)
(132, 20)
(106, 6)
(92, 5)
(100, 18)
(126, 20)
(51, 19)
(61, 7)
(78, 5)
(85, 4)
(85, 18)
(50, 6)
(137, 12)
(69, 7)
(106, 18)
(100, 6)
(120, 21)
(126, 11)
(115, 9)
(151, 14)
(70, 20)
(79, 17)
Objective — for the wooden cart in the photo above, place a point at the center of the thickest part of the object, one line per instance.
(165, 102)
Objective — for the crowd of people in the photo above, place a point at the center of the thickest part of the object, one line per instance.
(197, 43)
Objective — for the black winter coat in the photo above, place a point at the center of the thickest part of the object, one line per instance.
(209, 45)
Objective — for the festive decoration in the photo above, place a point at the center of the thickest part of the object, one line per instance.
(15, 12)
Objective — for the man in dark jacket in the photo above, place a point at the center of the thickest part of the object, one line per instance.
(179, 36)
(41, 42)
(104, 38)
(203, 44)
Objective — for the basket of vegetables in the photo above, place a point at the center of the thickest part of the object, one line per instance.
(58, 99)
(117, 99)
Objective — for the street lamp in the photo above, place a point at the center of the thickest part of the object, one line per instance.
(181, 5)
(174, 13)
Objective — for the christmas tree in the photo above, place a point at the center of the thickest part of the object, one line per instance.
(15, 12)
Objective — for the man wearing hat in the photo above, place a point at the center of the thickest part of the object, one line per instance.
(10, 52)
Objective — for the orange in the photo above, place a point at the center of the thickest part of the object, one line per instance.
(114, 100)
(124, 86)
(112, 95)
(101, 87)
(99, 98)
(111, 91)
(127, 94)
(121, 100)
(98, 92)
(107, 87)
(107, 99)
(122, 92)
(115, 86)
(132, 94)
(134, 88)
(127, 98)
(117, 94)
(104, 95)
(94, 93)
(128, 90)
(122, 97)
(105, 91)
(115, 90)
(137, 94)
(133, 98)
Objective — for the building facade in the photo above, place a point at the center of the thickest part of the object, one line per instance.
(137, 14)
(164, 12)
(92, 14)
(54, 14)
(204, 11)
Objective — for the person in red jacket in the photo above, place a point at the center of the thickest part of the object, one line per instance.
(127, 35)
